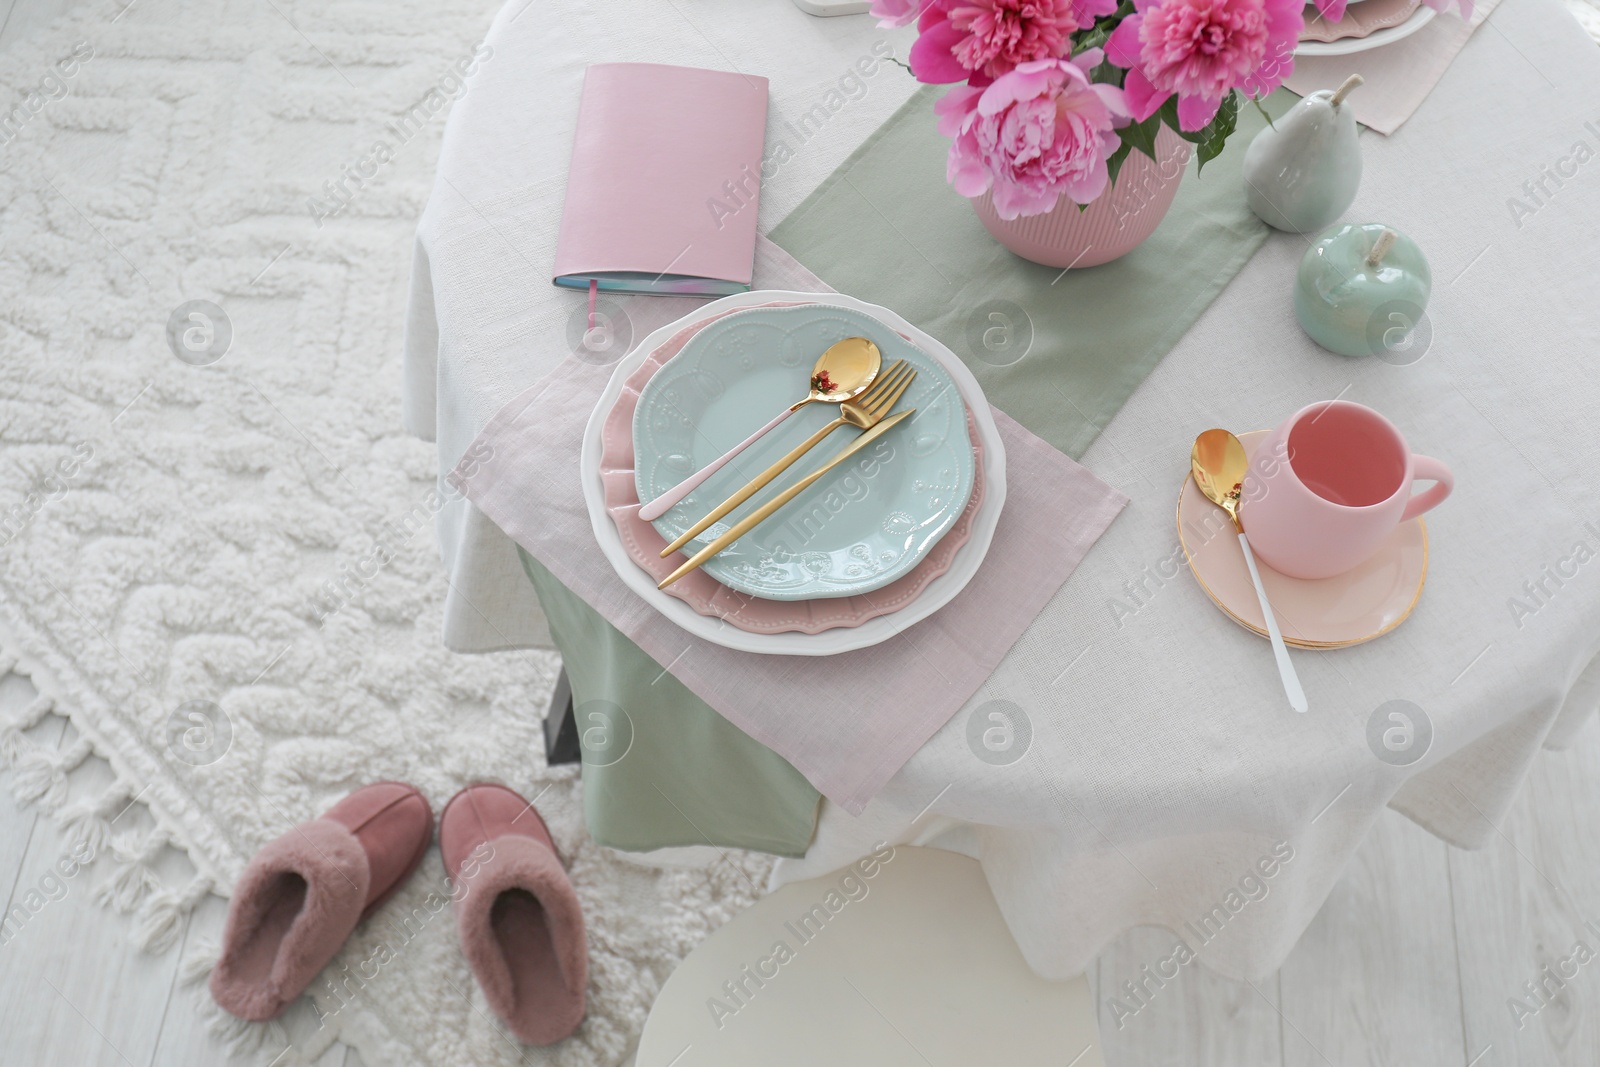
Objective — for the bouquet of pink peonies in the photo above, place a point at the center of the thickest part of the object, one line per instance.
(1058, 92)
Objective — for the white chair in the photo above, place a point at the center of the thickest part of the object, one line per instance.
(904, 961)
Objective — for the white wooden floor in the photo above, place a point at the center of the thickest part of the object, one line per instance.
(1410, 963)
(21, 17)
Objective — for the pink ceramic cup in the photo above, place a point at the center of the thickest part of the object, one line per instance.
(1345, 485)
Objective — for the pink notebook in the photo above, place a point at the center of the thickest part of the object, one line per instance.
(663, 186)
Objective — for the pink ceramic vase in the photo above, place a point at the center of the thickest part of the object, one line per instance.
(1113, 225)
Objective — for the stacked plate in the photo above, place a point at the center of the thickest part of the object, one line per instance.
(880, 542)
(1366, 24)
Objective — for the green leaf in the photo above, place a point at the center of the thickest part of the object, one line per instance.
(1115, 160)
(1256, 100)
(1142, 135)
(1168, 114)
(1097, 35)
(1108, 73)
(1094, 37)
(1210, 138)
(1218, 131)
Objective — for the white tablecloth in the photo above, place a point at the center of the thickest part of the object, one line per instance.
(1163, 768)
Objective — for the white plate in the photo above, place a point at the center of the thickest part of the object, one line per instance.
(830, 642)
(1376, 39)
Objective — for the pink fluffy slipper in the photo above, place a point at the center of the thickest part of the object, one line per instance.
(517, 915)
(301, 895)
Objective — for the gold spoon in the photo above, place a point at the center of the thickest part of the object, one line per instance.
(842, 373)
(1219, 466)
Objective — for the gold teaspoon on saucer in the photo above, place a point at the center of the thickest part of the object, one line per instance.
(1219, 465)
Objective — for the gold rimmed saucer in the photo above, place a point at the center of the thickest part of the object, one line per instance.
(1320, 614)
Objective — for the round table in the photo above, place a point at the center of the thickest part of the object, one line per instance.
(1164, 783)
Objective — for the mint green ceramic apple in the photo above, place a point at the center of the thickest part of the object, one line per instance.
(1362, 290)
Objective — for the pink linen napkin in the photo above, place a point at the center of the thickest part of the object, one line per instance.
(849, 722)
(1398, 76)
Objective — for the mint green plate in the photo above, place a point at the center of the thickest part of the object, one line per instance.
(860, 527)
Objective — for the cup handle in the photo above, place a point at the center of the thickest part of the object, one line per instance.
(1427, 467)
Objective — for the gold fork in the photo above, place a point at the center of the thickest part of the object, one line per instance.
(864, 412)
(765, 511)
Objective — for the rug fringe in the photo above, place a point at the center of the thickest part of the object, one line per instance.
(87, 824)
(199, 961)
(39, 778)
(161, 918)
(41, 775)
(12, 742)
(133, 881)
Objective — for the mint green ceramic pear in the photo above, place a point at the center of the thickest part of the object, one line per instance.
(1303, 170)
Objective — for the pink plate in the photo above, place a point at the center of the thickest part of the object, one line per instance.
(704, 593)
(1360, 20)
(1346, 609)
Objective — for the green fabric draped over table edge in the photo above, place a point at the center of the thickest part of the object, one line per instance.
(885, 227)
(670, 771)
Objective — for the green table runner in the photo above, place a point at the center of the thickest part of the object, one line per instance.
(885, 227)
(1071, 348)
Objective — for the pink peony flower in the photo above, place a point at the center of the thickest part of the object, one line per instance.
(1035, 133)
(980, 40)
(1333, 10)
(893, 13)
(1200, 50)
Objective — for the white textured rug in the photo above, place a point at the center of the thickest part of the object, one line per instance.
(1587, 12)
(223, 569)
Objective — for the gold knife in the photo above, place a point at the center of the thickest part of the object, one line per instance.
(745, 525)
(862, 413)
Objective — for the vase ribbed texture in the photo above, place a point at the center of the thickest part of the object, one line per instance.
(1113, 225)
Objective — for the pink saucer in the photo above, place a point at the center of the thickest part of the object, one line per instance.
(1360, 20)
(1346, 609)
(704, 593)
